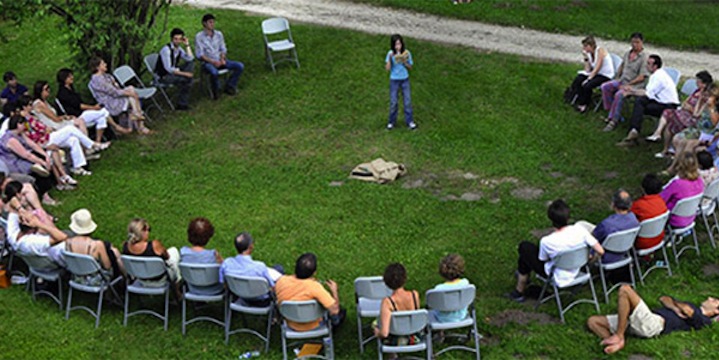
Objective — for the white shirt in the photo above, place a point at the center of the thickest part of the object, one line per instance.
(661, 88)
(39, 244)
(563, 239)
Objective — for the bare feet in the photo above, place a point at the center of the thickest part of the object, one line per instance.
(611, 340)
(614, 343)
(122, 130)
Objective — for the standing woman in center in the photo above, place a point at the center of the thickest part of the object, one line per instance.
(398, 62)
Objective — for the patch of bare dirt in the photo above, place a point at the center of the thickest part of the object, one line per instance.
(710, 270)
(527, 193)
(610, 175)
(471, 196)
(521, 318)
(640, 357)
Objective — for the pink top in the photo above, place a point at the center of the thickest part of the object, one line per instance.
(679, 189)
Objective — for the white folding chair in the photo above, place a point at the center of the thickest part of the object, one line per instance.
(60, 107)
(707, 209)
(673, 73)
(689, 86)
(249, 287)
(369, 292)
(454, 300)
(125, 74)
(619, 243)
(571, 259)
(304, 312)
(89, 277)
(151, 64)
(684, 207)
(140, 271)
(275, 26)
(650, 228)
(408, 323)
(198, 276)
(42, 267)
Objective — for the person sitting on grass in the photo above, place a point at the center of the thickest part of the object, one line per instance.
(199, 233)
(649, 206)
(451, 268)
(633, 315)
(395, 277)
(540, 259)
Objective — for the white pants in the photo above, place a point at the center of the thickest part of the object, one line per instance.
(71, 137)
(96, 118)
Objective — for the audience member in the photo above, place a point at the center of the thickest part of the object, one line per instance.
(540, 258)
(13, 90)
(649, 206)
(451, 268)
(621, 220)
(303, 286)
(660, 94)
(632, 74)
(243, 265)
(108, 256)
(633, 315)
(395, 277)
(210, 48)
(598, 69)
(40, 238)
(199, 233)
(686, 184)
(47, 114)
(174, 72)
(138, 244)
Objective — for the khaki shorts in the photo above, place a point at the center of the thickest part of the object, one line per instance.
(642, 322)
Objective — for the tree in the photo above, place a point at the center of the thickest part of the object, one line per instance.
(116, 30)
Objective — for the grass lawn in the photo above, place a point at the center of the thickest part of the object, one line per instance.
(670, 23)
(262, 161)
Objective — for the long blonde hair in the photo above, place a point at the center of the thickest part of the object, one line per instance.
(135, 229)
(688, 166)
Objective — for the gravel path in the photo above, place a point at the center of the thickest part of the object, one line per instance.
(512, 40)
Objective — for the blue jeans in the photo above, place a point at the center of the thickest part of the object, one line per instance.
(236, 68)
(394, 87)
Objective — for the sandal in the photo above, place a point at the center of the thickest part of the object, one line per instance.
(80, 171)
(101, 146)
(68, 180)
(610, 126)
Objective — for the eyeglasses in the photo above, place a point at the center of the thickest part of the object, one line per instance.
(148, 228)
(46, 88)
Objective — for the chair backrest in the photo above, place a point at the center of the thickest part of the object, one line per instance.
(573, 258)
(200, 274)
(143, 267)
(652, 227)
(689, 86)
(92, 92)
(451, 299)
(151, 64)
(81, 264)
(125, 73)
(247, 287)
(371, 287)
(673, 73)
(275, 25)
(60, 107)
(687, 206)
(408, 322)
(616, 62)
(621, 241)
(301, 311)
(711, 192)
(38, 262)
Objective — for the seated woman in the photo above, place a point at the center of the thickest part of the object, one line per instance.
(24, 156)
(47, 114)
(451, 268)
(395, 276)
(685, 185)
(15, 199)
(598, 68)
(114, 98)
(673, 121)
(106, 255)
(704, 133)
(68, 137)
(92, 114)
(138, 244)
(199, 233)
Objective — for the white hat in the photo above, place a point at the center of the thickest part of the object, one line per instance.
(81, 222)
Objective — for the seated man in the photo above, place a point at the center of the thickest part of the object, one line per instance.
(660, 94)
(540, 259)
(621, 220)
(12, 92)
(170, 69)
(243, 265)
(210, 48)
(634, 314)
(303, 286)
(39, 238)
(649, 206)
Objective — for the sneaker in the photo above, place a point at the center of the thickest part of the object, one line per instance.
(92, 156)
(80, 171)
(516, 296)
(390, 126)
(63, 187)
(660, 155)
(412, 126)
(653, 138)
(610, 126)
(68, 180)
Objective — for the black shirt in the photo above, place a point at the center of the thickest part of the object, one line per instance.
(672, 321)
(70, 100)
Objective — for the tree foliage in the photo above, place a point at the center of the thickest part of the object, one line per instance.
(116, 30)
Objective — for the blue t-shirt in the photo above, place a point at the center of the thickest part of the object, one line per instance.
(206, 256)
(13, 96)
(398, 71)
(451, 316)
(614, 223)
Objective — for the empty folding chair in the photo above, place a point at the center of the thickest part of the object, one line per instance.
(125, 74)
(60, 107)
(707, 209)
(249, 287)
(673, 73)
(146, 276)
(576, 258)
(304, 312)
(650, 228)
(89, 277)
(454, 300)
(276, 26)
(684, 207)
(369, 292)
(689, 87)
(619, 243)
(195, 277)
(408, 323)
(151, 64)
(42, 267)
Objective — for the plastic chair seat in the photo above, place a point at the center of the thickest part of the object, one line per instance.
(436, 325)
(281, 45)
(138, 288)
(581, 278)
(645, 252)
(252, 310)
(294, 334)
(617, 264)
(205, 298)
(405, 348)
(86, 288)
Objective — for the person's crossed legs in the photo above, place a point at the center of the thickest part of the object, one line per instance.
(599, 324)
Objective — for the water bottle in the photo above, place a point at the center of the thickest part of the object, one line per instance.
(327, 343)
(249, 354)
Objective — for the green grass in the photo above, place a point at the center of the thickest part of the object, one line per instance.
(262, 162)
(670, 23)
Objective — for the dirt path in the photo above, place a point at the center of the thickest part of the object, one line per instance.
(375, 20)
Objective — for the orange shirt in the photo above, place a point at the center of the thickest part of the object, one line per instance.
(290, 288)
